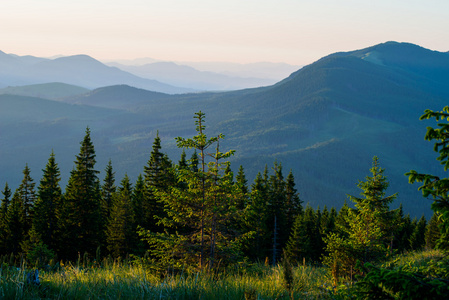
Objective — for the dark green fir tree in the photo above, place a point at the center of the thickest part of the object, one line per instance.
(204, 211)
(403, 232)
(369, 234)
(432, 234)
(194, 162)
(417, 238)
(137, 201)
(107, 191)
(158, 176)
(120, 231)
(48, 204)
(277, 212)
(293, 203)
(183, 164)
(304, 242)
(27, 193)
(255, 221)
(15, 224)
(6, 199)
(81, 209)
(342, 221)
(242, 183)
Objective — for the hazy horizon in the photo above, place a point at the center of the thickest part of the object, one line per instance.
(288, 31)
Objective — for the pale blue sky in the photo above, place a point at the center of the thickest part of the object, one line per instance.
(293, 31)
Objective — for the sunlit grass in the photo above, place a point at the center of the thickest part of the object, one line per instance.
(131, 281)
(124, 280)
(414, 259)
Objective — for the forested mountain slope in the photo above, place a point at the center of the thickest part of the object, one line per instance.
(53, 90)
(325, 122)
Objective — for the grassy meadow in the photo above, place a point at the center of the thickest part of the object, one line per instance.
(122, 280)
(126, 280)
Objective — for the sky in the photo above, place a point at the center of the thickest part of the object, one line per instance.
(297, 32)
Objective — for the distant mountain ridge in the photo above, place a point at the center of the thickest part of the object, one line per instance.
(118, 97)
(182, 75)
(261, 70)
(325, 122)
(80, 70)
(167, 77)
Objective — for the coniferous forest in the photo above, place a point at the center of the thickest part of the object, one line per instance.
(194, 216)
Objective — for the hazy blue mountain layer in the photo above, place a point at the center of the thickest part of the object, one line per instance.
(186, 76)
(80, 70)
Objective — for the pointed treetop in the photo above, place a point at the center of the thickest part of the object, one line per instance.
(6, 192)
(199, 121)
(85, 160)
(182, 163)
(125, 185)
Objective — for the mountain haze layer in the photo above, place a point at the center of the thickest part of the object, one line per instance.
(325, 122)
(80, 70)
(187, 76)
(209, 76)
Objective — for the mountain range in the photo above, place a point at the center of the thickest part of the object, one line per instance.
(165, 77)
(325, 122)
(186, 76)
(80, 70)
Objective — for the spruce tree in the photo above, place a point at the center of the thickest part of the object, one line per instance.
(255, 221)
(27, 193)
(201, 143)
(417, 238)
(81, 209)
(48, 204)
(333, 216)
(228, 172)
(242, 184)
(182, 164)
(303, 243)
(28, 196)
(342, 226)
(399, 240)
(107, 191)
(6, 199)
(204, 211)
(137, 200)
(16, 227)
(120, 230)
(327, 223)
(194, 162)
(293, 203)
(277, 212)
(369, 226)
(404, 231)
(158, 176)
(373, 209)
(325, 227)
(432, 234)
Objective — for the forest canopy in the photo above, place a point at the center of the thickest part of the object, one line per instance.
(196, 214)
